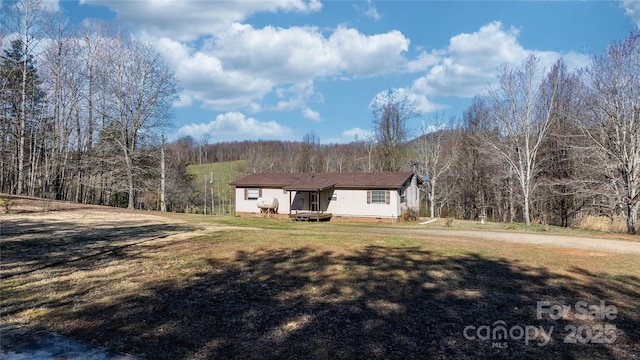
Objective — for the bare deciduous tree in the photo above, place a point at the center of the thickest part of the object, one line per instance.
(521, 113)
(390, 113)
(612, 96)
(140, 88)
(437, 151)
(561, 193)
(260, 158)
(26, 19)
(307, 157)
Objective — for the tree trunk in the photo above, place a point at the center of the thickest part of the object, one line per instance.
(163, 204)
(512, 211)
(632, 213)
(432, 198)
(131, 191)
(79, 169)
(23, 123)
(525, 209)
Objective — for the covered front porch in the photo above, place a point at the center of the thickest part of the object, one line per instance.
(311, 200)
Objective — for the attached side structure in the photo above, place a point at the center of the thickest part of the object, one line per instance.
(330, 196)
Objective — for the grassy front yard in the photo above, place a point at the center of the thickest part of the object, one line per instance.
(199, 288)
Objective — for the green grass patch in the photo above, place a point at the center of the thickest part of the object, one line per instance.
(223, 173)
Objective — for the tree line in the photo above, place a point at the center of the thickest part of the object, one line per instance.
(84, 109)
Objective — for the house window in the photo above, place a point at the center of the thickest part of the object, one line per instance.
(252, 194)
(378, 197)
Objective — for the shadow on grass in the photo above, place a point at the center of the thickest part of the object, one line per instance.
(31, 245)
(378, 302)
(373, 303)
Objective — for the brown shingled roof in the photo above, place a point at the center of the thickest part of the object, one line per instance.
(321, 181)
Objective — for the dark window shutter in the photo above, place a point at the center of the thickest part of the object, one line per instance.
(388, 197)
(260, 192)
(368, 196)
(246, 193)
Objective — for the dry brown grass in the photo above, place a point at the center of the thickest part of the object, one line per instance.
(183, 289)
(604, 224)
(449, 221)
(7, 203)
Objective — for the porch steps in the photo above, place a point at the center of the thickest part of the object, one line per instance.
(310, 216)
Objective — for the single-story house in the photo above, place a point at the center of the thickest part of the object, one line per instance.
(328, 196)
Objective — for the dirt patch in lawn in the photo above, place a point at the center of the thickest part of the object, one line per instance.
(176, 288)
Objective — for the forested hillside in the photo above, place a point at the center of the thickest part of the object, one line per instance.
(83, 115)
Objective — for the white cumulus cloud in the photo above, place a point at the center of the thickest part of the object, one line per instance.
(350, 135)
(632, 9)
(310, 114)
(469, 64)
(236, 126)
(370, 11)
(205, 78)
(281, 54)
(356, 134)
(361, 55)
(188, 20)
(424, 61)
(239, 67)
(225, 64)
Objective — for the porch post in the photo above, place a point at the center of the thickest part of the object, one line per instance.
(290, 204)
(319, 205)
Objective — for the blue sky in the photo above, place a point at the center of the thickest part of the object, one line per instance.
(278, 69)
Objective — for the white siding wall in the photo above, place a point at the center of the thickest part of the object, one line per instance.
(347, 202)
(354, 203)
(250, 206)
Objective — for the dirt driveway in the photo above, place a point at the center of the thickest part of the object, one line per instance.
(543, 239)
(575, 242)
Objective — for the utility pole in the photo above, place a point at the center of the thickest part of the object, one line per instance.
(220, 195)
(211, 186)
(163, 204)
